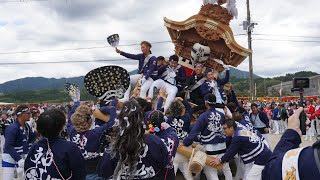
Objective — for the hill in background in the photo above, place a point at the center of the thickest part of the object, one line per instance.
(40, 89)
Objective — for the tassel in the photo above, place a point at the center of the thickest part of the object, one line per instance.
(209, 1)
(232, 8)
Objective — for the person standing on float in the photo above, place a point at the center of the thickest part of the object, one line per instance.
(147, 71)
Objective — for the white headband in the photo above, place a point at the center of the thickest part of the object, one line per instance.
(22, 111)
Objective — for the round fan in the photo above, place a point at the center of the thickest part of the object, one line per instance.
(73, 91)
(107, 82)
(113, 40)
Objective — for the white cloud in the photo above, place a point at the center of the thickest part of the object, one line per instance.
(60, 24)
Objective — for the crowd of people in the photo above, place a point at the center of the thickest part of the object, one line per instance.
(139, 137)
(279, 112)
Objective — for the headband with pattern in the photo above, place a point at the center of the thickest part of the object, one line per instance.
(22, 111)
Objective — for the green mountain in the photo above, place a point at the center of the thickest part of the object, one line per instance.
(39, 89)
(40, 83)
(241, 74)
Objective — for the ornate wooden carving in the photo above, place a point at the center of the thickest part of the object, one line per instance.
(207, 33)
(216, 12)
(210, 25)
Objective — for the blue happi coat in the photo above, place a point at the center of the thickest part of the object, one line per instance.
(170, 139)
(250, 147)
(182, 123)
(89, 141)
(148, 69)
(152, 159)
(18, 141)
(209, 126)
(63, 159)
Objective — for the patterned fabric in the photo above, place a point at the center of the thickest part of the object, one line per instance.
(107, 82)
(73, 91)
(51, 162)
(209, 126)
(152, 159)
(113, 40)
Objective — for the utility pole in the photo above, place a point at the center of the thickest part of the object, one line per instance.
(248, 26)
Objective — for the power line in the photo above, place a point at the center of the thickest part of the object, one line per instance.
(53, 50)
(62, 62)
(21, 1)
(74, 49)
(287, 40)
(157, 42)
(259, 34)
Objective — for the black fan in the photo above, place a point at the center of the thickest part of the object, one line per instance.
(107, 82)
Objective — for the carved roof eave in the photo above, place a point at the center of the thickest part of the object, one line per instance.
(224, 31)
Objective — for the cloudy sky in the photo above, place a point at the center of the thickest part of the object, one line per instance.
(36, 31)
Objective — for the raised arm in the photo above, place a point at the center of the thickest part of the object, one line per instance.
(225, 80)
(232, 150)
(188, 108)
(198, 127)
(130, 56)
(73, 109)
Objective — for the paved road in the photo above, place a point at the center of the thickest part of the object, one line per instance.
(274, 140)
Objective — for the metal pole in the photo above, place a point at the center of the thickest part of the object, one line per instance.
(249, 31)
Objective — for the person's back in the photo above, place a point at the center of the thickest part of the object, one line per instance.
(158, 126)
(63, 164)
(152, 159)
(52, 157)
(88, 140)
(132, 153)
(180, 117)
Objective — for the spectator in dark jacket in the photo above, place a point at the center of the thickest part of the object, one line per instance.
(260, 122)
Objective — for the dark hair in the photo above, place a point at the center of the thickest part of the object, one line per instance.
(241, 109)
(176, 108)
(127, 138)
(230, 123)
(207, 71)
(160, 58)
(156, 118)
(20, 108)
(145, 105)
(174, 58)
(232, 106)
(210, 99)
(146, 43)
(51, 123)
(237, 116)
(254, 104)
